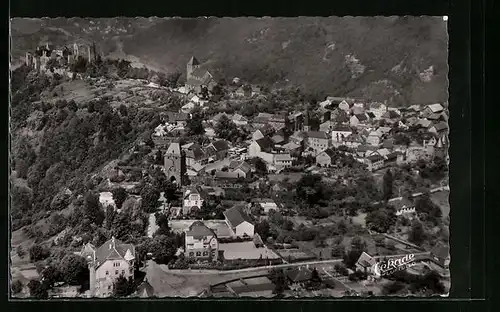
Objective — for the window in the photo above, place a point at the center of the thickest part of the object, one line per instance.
(191, 254)
(107, 272)
(198, 253)
(123, 272)
(116, 272)
(205, 253)
(116, 264)
(109, 287)
(130, 270)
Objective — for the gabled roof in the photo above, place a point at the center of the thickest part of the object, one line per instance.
(391, 114)
(175, 116)
(278, 139)
(236, 216)
(317, 135)
(290, 146)
(195, 152)
(361, 117)
(400, 203)
(440, 126)
(238, 117)
(198, 230)
(265, 142)
(374, 158)
(145, 289)
(195, 190)
(219, 116)
(220, 145)
(424, 123)
(435, 108)
(343, 128)
(282, 157)
(299, 274)
(244, 166)
(434, 116)
(114, 249)
(329, 152)
(366, 261)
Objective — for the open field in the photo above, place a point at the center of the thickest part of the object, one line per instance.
(245, 250)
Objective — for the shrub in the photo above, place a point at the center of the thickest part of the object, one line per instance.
(17, 286)
(38, 252)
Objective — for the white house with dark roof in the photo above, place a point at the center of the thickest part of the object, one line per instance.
(318, 140)
(194, 196)
(106, 263)
(201, 242)
(239, 222)
(340, 134)
(365, 263)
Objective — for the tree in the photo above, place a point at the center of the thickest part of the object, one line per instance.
(37, 290)
(38, 252)
(74, 270)
(381, 220)
(417, 233)
(110, 216)
(163, 248)
(278, 277)
(195, 125)
(226, 129)
(338, 251)
(17, 286)
(21, 169)
(149, 199)
(123, 287)
(357, 248)
(260, 166)
(50, 275)
(119, 196)
(263, 229)
(92, 209)
(162, 222)
(387, 185)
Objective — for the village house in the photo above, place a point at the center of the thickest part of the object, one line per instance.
(339, 134)
(327, 126)
(188, 108)
(317, 140)
(432, 109)
(365, 263)
(278, 139)
(374, 162)
(262, 148)
(283, 160)
(241, 168)
(239, 223)
(106, 263)
(279, 121)
(378, 109)
(174, 118)
(403, 206)
(391, 116)
(325, 158)
(261, 120)
(217, 150)
(352, 141)
(195, 156)
(345, 106)
(441, 254)
(439, 128)
(201, 242)
(339, 116)
(292, 148)
(363, 150)
(423, 123)
(374, 138)
(239, 120)
(266, 130)
(396, 157)
(298, 277)
(243, 91)
(358, 120)
(266, 205)
(194, 196)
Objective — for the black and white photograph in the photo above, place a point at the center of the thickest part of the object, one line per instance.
(222, 158)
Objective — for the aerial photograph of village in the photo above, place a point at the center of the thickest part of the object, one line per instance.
(229, 157)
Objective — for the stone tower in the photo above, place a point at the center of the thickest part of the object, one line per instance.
(29, 59)
(192, 65)
(175, 164)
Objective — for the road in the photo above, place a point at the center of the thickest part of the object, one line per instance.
(281, 266)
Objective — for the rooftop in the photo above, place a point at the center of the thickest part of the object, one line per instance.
(235, 216)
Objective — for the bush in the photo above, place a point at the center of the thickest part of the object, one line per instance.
(17, 286)
(38, 252)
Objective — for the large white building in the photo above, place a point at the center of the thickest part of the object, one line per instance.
(106, 263)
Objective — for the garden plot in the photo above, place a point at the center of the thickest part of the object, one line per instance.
(246, 250)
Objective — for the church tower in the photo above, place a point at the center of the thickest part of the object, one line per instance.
(192, 65)
(306, 122)
(175, 164)
(75, 51)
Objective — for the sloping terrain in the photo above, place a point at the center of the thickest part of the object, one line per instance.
(402, 60)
